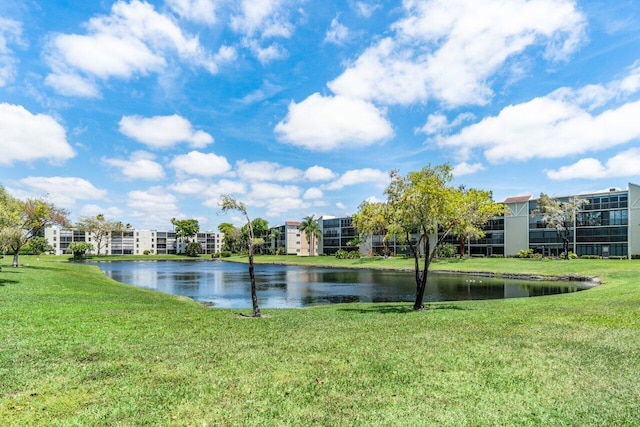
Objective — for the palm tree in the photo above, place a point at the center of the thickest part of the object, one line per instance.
(274, 236)
(309, 226)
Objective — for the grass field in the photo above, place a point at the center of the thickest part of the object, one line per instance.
(79, 349)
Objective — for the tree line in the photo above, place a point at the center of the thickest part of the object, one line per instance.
(421, 210)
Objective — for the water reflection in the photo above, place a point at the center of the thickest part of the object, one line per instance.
(224, 284)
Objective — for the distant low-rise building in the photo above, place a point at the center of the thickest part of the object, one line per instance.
(131, 242)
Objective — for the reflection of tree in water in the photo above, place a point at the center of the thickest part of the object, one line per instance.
(329, 299)
(186, 279)
(539, 291)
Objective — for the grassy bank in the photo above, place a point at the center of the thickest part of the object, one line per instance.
(79, 349)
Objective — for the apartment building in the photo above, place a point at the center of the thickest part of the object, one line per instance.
(131, 242)
(608, 225)
(288, 240)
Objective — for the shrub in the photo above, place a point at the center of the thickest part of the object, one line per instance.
(225, 254)
(342, 254)
(446, 250)
(590, 257)
(635, 256)
(617, 257)
(146, 252)
(477, 256)
(525, 253)
(496, 256)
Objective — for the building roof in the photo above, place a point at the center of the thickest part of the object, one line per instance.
(292, 223)
(518, 199)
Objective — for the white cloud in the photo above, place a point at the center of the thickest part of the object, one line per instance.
(266, 17)
(134, 40)
(547, 128)
(190, 186)
(447, 50)
(326, 123)
(439, 124)
(163, 131)
(373, 199)
(199, 11)
(360, 176)
(267, 171)
(112, 212)
(153, 208)
(72, 84)
(313, 193)
(625, 164)
(27, 137)
(337, 33)
(365, 9)
(10, 33)
(562, 123)
(141, 165)
(279, 207)
(215, 191)
(260, 20)
(62, 191)
(197, 163)
(465, 168)
(266, 191)
(319, 173)
(266, 54)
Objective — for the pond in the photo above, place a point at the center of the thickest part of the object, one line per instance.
(226, 284)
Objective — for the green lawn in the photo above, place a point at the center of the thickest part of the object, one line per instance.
(79, 349)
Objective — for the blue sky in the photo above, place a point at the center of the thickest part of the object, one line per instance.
(150, 110)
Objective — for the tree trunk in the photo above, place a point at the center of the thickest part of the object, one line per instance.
(15, 257)
(462, 247)
(421, 276)
(252, 278)
(421, 284)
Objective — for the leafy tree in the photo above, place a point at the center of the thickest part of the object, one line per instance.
(100, 228)
(38, 245)
(260, 230)
(185, 228)
(232, 239)
(79, 249)
(474, 208)
(20, 221)
(371, 220)
(420, 211)
(274, 237)
(229, 203)
(193, 249)
(309, 226)
(560, 215)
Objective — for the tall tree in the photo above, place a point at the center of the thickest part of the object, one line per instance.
(229, 203)
(474, 208)
(420, 211)
(560, 215)
(260, 231)
(100, 228)
(370, 220)
(232, 237)
(309, 226)
(23, 220)
(274, 237)
(185, 228)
